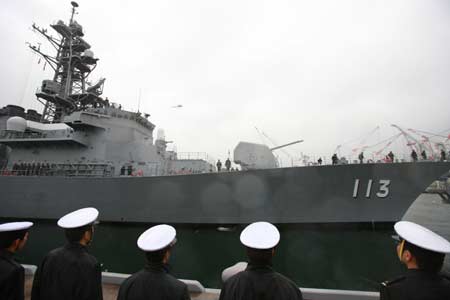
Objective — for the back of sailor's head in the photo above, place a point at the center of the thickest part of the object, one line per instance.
(260, 239)
(77, 222)
(427, 247)
(156, 241)
(9, 232)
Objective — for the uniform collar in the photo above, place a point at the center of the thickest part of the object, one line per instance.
(71, 245)
(260, 267)
(157, 267)
(6, 254)
(419, 272)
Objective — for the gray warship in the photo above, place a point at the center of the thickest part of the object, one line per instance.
(84, 150)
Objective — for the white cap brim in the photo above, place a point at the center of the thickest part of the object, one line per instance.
(79, 218)
(15, 226)
(157, 237)
(260, 235)
(422, 237)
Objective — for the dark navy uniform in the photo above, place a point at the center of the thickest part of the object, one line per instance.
(259, 283)
(416, 285)
(12, 277)
(67, 273)
(153, 282)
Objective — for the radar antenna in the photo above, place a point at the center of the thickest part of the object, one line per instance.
(68, 90)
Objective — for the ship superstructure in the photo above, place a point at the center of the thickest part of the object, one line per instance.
(79, 131)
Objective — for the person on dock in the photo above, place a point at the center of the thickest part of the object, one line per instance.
(422, 252)
(259, 280)
(154, 281)
(71, 272)
(13, 237)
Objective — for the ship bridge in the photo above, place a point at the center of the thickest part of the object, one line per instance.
(21, 132)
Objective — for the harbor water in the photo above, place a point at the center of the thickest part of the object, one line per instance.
(331, 257)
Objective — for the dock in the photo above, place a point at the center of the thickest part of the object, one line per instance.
(111, 283)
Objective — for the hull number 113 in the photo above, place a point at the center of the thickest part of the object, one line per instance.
(382, 192)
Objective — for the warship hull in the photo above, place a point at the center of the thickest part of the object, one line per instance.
(358, 193)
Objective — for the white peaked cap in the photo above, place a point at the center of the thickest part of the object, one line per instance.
(79, 218)
(260, 235)
(15, 226)
(421, 237)
(157, 237)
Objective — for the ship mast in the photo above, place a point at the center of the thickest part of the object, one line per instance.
(67, 91)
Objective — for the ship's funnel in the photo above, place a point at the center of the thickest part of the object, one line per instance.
(16, 124)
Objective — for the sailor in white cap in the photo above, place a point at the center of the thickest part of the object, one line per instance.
(13, 237)
(71, 272)
(154, 282)
(422, 251)
(259, 280)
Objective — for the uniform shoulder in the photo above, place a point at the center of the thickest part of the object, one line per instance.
(176, 282)
(446, 277)
(394, 281)
(10, 265)
(238, 277)
(284, 278)
(55, 252)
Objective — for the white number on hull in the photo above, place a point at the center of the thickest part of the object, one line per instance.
(382, 192)
(384, 188)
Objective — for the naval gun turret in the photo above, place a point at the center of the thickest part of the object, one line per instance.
(251, 156)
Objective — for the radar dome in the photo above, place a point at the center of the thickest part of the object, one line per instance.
(16, 124)
(89, 53)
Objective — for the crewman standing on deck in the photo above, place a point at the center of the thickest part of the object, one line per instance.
(228, 164)
(442, 155)
(361, 157)
(424, 155)
(154, 282)
(422, 252)
(414, 155)
(259, 280)
(13, 237)
(70, 272)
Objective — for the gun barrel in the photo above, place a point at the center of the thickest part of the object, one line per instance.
(285, 145)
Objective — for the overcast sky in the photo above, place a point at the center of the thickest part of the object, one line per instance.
(323, 71)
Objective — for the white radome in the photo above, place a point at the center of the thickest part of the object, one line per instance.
(18, 124)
